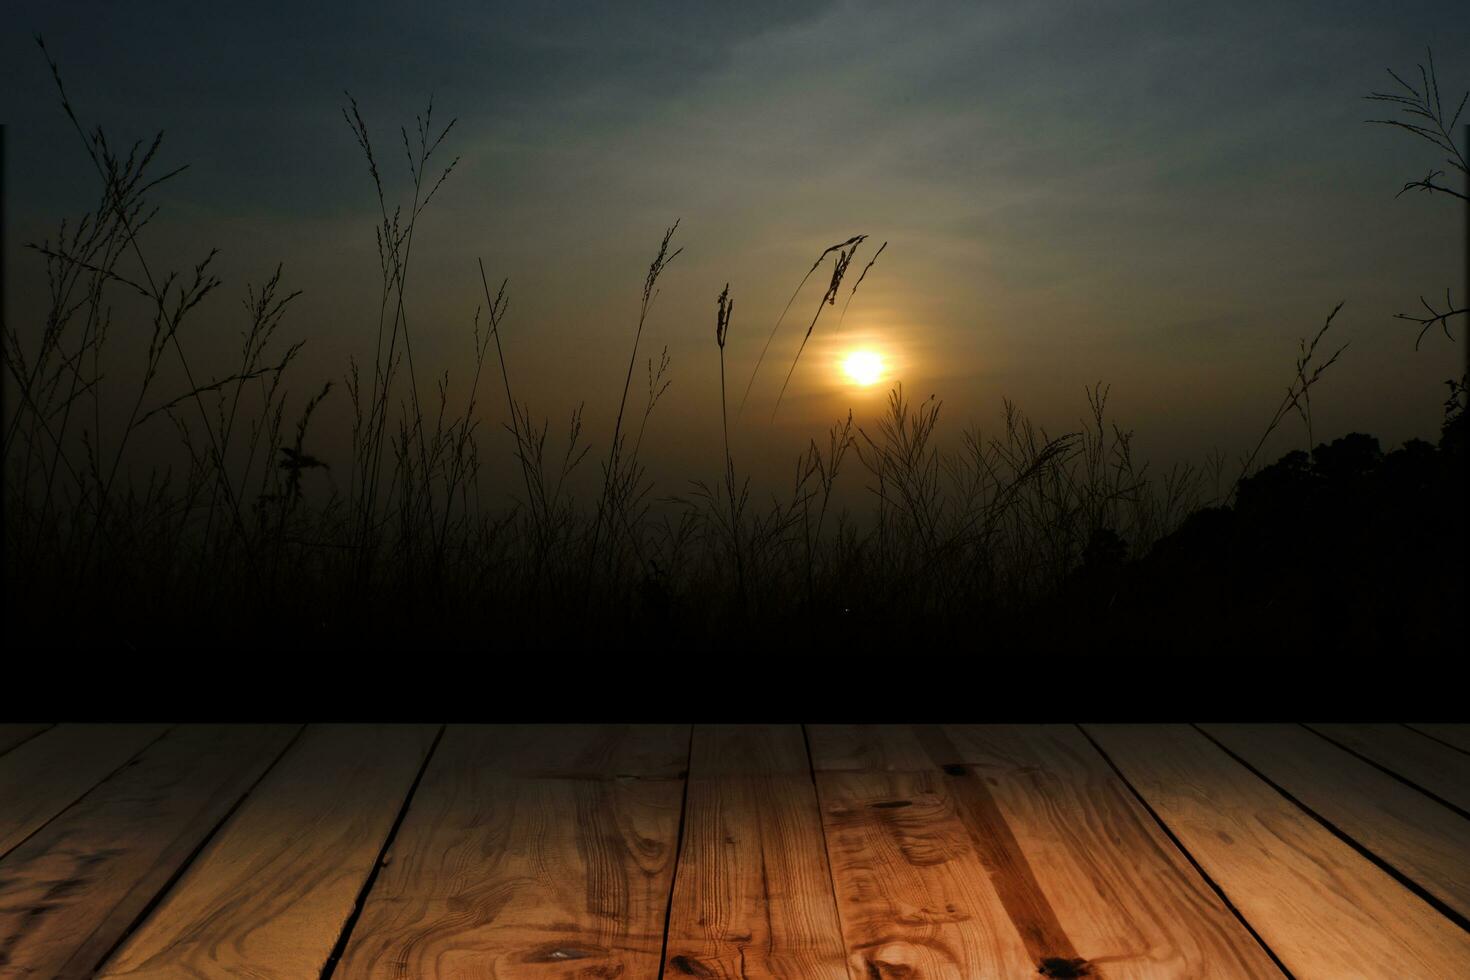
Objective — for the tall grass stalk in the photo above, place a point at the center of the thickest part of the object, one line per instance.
(619, 476)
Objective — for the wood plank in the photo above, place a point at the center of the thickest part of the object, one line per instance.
(49, 773)
(495, 874)
(1325, 910)
(749, 750)
(74, 889)
(270, 894)
(585, 751)
(1131, 903)
(1427, 763)
(13, 734)
(1078, 867)
(915, 897)
(869, 748)
(753, 895)
(1456, 735)
(1010, 872)
(1427, 842)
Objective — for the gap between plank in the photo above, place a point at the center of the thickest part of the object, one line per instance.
(663, 953)
(1403, 879)
(32, 735)
(341, 945)
(123, 765)
(1434, 738)
(1389, 772)
(173, 879)
(1188, 856)
(811, 764)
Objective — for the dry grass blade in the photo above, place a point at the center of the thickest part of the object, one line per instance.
(829, 298)
(620, 476)
(786, 309)
(496, 307)
(1298, 394)
(1423, 102)
(853, 292)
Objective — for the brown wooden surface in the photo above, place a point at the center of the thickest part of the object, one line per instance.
(1426, 841)
(914, 895)
(753, 896)
(869, 748)
(269, 896)
(73, 889)
(1435, 767)
(1131, 903)
(498, 875)
(586, 751)
(848, 851)
(1078, 864)
(748, 750)
(1456, 735)
(1324, 909)
(42, 777)
(14, 733)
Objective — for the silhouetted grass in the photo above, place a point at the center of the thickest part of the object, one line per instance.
(1015, 536)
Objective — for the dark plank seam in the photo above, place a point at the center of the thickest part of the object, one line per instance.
(173, 879)
(826, 847)
(1434, 738)
(1187, 856)
(678, 853)
(372, 877)
(123, 765)
(23, 741)
(1389, 772)
(1015, 883)
(1342, 835)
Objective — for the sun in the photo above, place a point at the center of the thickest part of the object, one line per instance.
(863, 367)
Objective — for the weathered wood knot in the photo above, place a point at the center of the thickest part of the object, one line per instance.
(1064, 968)
(690, 967)
(562, 952)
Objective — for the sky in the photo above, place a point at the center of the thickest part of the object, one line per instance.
(1160, 196)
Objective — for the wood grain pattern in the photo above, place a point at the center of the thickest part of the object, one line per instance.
(868, 748)
(72, 891)
(749, 750)
(1079, 867)
(1324, 909)
(45, 775)
(1131, 903)
(1436, 767)
(1456, 735)
(1010, 872)
(1427, 842)
(915, 896)
(13, 734)
(499, 875)
(267, 899)
(753, 898)
(585, 751)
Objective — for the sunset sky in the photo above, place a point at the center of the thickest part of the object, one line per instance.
(1158, 195)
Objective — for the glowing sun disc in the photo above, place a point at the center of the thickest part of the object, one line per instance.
(863, 367)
